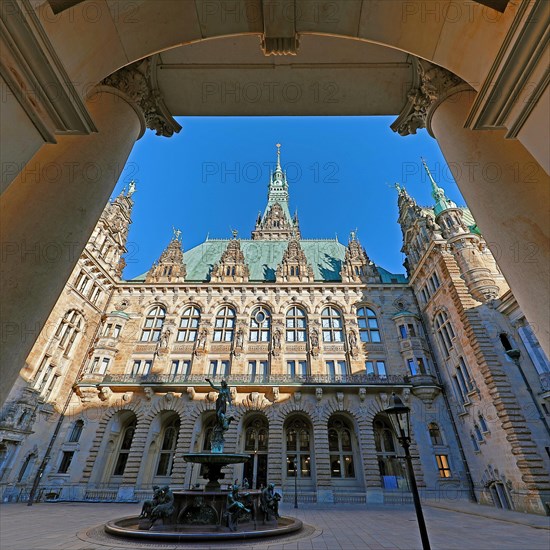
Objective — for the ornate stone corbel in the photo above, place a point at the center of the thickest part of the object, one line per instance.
(276, 393)
(319, 393)
(340, 399)
(362, 394)
(191, 393)
(431, 85)
(136, 82)
(148, 392)
(298, 396)
(105, 393)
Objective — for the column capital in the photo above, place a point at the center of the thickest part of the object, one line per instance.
(136, 81)
(431, 86)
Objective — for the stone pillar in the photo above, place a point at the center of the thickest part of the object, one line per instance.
(49, 211)
(505, 188)
(322, 463)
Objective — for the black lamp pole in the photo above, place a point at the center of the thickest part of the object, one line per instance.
(399, 413)
(296, 482)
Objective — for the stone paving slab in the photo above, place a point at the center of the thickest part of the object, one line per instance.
(77, 526)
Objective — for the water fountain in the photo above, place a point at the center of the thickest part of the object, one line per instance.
(212, 513)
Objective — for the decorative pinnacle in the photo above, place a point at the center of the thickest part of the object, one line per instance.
(235, 233)
(278, 145)
(177, 234)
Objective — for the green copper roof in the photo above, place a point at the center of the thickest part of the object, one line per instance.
(263, 256)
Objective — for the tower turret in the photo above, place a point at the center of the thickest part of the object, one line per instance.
(231, 267)
(276, 223)
(357, 266)
(108, 241)
(170, 267)
(466, 245)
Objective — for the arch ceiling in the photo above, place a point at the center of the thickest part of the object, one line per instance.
(94, 39)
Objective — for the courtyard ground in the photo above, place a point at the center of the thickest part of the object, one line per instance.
(451, 525)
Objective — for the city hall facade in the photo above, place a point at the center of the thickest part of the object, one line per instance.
(313, 338)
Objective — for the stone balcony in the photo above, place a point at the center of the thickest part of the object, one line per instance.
(169, 381)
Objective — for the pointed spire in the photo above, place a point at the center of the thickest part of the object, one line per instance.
(170, 267)
(276, 223)
(441, 201)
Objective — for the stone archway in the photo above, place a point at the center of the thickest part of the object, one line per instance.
(77, 131)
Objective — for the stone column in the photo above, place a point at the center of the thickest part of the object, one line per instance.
(49, 211)
(505, 188)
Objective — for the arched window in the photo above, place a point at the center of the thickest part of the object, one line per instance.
(445, 332)
(189, 324)
(76, 431)
(27, 468)
(388, 464)
(435, 434)
(169, 440)
(500, 495)
(208, 428)
(69, 329)
(332, 325)
(298, 448)
(256, 436)
(340, 447)
(368, 325)
(296, 324)
(224, 326)
(126, 438)
(153, 324)
(260, 325)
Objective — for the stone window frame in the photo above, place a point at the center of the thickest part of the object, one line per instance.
(299, 425)
(339, 424)
(166, 453)
(225, 321)
(331, 332)
(156, 317)
(294, 315)
(192, 314)
(259, 329)
(366, 313)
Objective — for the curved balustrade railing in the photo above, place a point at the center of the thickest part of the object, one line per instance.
(245, 379)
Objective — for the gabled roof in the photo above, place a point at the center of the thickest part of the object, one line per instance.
(263, 256)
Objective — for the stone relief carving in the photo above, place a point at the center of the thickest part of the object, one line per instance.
(432, 83)
(134, 80)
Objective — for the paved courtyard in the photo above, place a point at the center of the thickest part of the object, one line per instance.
(70, 526)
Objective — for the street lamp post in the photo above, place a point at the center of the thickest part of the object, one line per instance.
(399, 415)
(296, 482)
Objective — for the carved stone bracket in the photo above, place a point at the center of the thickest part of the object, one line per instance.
(136, 81)
(431, 85)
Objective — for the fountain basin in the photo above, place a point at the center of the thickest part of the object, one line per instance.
(129, 528)
(214, 463)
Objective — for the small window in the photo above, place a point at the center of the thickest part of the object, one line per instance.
(483, 423)
(443, 466)
(224, 325)
(412, 367)
(332, 325)
(118, 329)
(104, 365)
(402, 331)
(152, 327)
(189, 324)
(435, 434)
(107, 329)
(505, 341)
(295, 325)
(368, 325)
(218, 368)
(475, 444)
(76, 432)
(65, 462)
(376, 368)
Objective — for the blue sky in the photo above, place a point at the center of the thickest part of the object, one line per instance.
(212, 177)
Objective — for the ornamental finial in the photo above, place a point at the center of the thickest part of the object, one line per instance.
(177, 234)
(278, 145)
